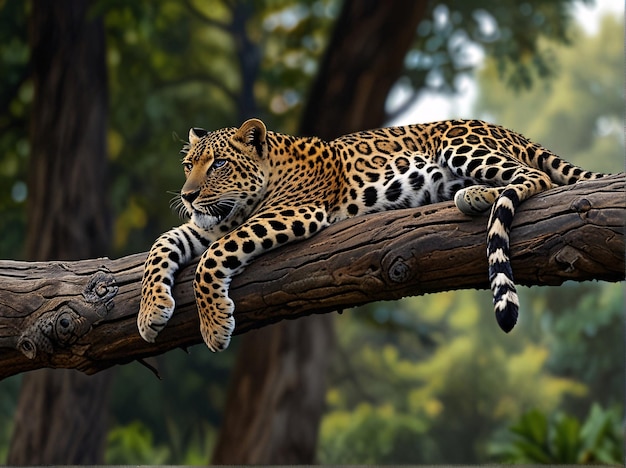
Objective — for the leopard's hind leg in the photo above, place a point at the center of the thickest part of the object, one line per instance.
(508, 188)
(476, 199)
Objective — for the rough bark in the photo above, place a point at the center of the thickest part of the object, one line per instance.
(278, 422)
(82, 314)
(61, 415)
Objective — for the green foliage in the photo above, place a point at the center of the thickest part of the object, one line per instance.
(371, 435)
(537, 438)
(133, 444)
(192, 445)
(579, 114)
(467, 374)
(577, 323)
(512, 33)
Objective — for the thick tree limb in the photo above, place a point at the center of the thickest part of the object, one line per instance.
(82, 314)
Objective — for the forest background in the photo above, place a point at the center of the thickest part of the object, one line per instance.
(423, 380)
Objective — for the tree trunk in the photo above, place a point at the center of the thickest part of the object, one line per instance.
(364, 59)
(67, 208)
(61, 414)
(61, 418)
(276, 397)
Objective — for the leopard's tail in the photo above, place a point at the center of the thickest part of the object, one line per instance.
(505, 299)
(560, 171)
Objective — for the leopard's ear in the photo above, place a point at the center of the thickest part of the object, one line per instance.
(195, 134)
(252, 133)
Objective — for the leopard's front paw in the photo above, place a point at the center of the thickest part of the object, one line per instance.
(154, 312)
(217, 323)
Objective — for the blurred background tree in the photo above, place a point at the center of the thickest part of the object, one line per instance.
(422, 380)
(61, 416)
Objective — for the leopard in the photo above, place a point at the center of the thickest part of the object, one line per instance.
(249, 190)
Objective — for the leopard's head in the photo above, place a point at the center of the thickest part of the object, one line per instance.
(226, 173)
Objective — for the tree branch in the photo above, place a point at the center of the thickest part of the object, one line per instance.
(82, 314)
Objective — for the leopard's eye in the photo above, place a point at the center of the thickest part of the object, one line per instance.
(187, 166)
(218, 163)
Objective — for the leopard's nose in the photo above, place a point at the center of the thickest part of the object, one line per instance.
(190, 195)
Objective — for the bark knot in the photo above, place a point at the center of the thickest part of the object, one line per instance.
(100, 291)
(567, 258)
(399, 271)
(63, 324)
(581, 205)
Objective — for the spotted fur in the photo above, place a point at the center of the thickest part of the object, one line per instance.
(249, 190)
